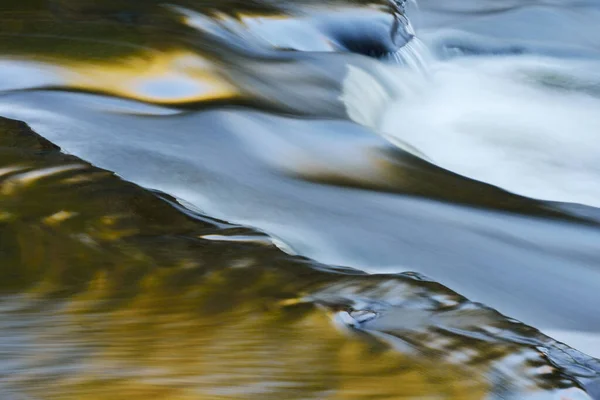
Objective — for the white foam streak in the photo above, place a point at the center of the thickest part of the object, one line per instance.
(415, 55)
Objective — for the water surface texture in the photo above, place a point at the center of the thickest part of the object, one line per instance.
(299, 200)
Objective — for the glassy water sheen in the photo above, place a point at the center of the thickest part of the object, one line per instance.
(435, 149)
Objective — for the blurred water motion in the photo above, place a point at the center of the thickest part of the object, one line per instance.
(110, 290)
(317, 129)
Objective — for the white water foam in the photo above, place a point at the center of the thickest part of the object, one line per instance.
(415, 55)
(528, 124)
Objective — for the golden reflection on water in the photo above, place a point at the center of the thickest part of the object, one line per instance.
(159, 77)
(162, 78)
(146, 62)
(108, 292)
(108, 295)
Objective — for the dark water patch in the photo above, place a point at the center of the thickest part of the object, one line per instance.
(402, 172)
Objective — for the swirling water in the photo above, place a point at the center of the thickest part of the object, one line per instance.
(455, 140)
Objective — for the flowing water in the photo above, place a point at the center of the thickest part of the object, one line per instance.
(353, 199)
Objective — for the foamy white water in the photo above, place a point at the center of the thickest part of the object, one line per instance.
(527, 123)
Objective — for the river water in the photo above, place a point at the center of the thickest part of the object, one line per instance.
(299, 200)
